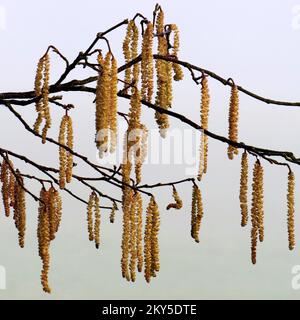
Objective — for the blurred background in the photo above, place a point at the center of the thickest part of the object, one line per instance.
(254, 42)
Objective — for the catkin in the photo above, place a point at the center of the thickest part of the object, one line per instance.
(65, 157)
(205, 101)
(133, 239)
(139, 231)
(113, 213)
(178, 202)
(255, 211)
(178, 73)
(291, 210)
(151, 245)
(197, 213)
(94, 228)
(244, 189)
(38, 92)
(103, 104)
(5, 172)
(233, 121)
(20, 209)
(147, 64)
(113, 105)
(260, 203)
(164, 77)
(45, 98)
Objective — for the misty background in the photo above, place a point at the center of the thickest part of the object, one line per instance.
(254, 42)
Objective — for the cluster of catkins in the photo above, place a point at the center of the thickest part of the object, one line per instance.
(257, 205)
(13, 195)
(106, 104)
(49, 217)
(41, 89)
(65, 138)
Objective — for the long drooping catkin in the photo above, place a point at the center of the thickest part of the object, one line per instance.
(147, 64)
(55, 211)
(291, 209)
(133, 239)
(65, 157)
(164, 77)
(139, 231)
(178, 202)
(103, 104)
(233, 121)
(45, 98)
(260, 202)
(255, 211)
(113, 105)
(130, 51)
(38, 92)
(205, 100)
(197, 213)
(5, 187)
(151, 245)
(20, 208)
(178, 73)
(244, 189)
(94, 227)
(113, 213)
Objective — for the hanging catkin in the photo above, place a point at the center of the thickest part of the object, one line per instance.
(244, 189)
(178, 202)
(113, 105)
(178, 73)
(291, 209)
(139, 239)
(151, 245)
(197, 213)
(260, 202)
(94, 227)
(65, 157)
(130, 51)
(45, 98)
(205, 100)
(164, 77)
(133, 239)
(20, 208)
(233, 121)
(5, 173)
(103, 104)
(113, 213)
(38, 92)
(255, 211)
(147, 64)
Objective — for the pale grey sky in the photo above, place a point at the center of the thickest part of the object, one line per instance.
(254, 42)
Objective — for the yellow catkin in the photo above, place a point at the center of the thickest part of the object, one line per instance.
(38, 92)
(233, 121)
(103, 105)
(70, 139)
(204, 112)
(260, 202)
(178, 202)
(20, 209)
(99, 93)
(65, 157)
(113, 213)
(43, 233)
(133, 239)
(147, 242)
(134, 54)
(127, 199)
(11, 185)
(139, 240)
(90, 217)
(151, 245)
(5, 187)
(254, 212)
(113, 105)
(147, 64)
(97, 221)
(45, 98)
(197, 213)
(55, 211)
(244, 189)
(127, 54)
(291, 210)
(164, 77)
(178, 73)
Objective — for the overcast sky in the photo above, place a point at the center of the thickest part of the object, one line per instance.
(254, 42)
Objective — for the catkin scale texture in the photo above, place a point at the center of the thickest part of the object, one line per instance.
(233, 121)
